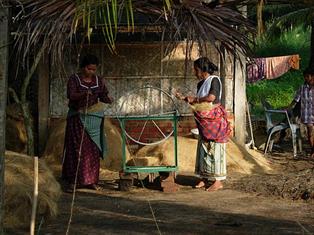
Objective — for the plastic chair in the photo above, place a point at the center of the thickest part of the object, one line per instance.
(272, 128)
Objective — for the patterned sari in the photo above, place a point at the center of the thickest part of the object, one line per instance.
(83, 141)
(214, 130)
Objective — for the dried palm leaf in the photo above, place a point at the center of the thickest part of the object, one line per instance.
(54, 23)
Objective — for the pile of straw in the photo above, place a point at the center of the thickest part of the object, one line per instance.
(54, 148)
(19, 173)
(15, 130)
(239, 160)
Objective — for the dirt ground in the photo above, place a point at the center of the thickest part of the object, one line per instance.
(280, 203)
(188, 211)
(292, 178)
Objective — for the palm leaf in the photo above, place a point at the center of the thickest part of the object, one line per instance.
(299, 17)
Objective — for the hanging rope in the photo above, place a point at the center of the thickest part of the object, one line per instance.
(76, 176)
(77, 167)
(132, 158)
(142, 184)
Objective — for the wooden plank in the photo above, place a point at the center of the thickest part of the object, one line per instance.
(4, 36)
(43, 103)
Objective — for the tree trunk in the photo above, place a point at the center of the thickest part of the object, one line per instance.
(28, 120)
(311, 65)
(259, 16)
(4, 55)
(27, 116)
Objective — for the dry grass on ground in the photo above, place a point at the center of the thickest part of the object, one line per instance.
(19, 181)
(254, 172)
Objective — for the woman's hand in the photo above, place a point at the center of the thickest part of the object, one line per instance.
(179, 96)
(190, 99)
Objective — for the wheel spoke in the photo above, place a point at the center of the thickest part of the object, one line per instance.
(159, 129)
(142, 130)
(148, 102)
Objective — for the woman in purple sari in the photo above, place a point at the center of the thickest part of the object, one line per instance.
(84, 90)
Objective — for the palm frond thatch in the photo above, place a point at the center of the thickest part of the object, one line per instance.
(200, 23)
(294, 2)
(54, 23)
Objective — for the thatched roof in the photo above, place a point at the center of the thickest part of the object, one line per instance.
(54, 23)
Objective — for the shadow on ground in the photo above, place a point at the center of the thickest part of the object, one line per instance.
(115, 215)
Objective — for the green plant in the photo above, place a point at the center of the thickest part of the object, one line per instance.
(280, 92)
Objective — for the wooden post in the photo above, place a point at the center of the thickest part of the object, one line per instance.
(240, 94)
(227, 75)
(239, 99)
(43, 103)
(4, 55)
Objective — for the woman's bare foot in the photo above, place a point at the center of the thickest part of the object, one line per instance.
(98, 187)
(215, 186)
(201, 184)
(93, 187)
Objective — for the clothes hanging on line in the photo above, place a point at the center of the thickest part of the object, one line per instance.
(256, 70)
(271, 67)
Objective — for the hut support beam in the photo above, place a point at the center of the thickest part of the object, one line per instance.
(4, 40)
(239, 100)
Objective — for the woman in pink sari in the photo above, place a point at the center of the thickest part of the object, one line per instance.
(212, 125)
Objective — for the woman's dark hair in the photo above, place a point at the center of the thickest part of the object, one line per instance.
(308, 71)
(89, 59)
(205, 65)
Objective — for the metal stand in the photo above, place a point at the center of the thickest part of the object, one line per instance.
(166, 180)
(148, 105)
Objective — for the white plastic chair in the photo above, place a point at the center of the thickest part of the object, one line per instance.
(272, 128)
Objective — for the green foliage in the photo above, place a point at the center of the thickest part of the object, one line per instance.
(280, 92)
(294, 41)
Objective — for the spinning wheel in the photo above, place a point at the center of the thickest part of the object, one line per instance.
(148, 116)
(150, 107)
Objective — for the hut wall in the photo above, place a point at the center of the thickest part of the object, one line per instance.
(136, 65)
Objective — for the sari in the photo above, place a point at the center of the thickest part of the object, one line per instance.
(84, 138)
(214, 130)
